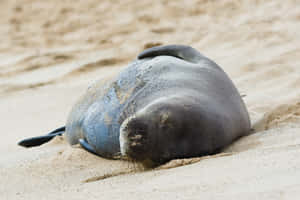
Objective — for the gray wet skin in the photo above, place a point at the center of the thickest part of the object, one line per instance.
(172, 102)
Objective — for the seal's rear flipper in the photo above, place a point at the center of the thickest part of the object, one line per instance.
(183, 52)
(39, 140)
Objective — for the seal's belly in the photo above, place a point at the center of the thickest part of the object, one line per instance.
(99, 113)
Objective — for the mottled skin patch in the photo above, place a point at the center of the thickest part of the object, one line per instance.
(99, 113)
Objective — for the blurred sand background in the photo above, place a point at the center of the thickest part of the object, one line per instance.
(50, 51)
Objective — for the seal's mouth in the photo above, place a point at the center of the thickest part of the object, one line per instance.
(132, 147)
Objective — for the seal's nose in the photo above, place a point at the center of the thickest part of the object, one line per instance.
(133, 138)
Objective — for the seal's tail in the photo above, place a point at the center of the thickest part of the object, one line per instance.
(39, 140)
(186, 53)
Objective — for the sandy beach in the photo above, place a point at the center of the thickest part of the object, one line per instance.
(51, 51)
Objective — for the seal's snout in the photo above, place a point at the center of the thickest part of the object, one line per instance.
(133, 138)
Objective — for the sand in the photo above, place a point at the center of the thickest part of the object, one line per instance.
(50, 51)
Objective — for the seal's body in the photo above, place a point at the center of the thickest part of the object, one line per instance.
(172, 102)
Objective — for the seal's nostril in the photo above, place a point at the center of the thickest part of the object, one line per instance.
(136, 137)
(133, 144)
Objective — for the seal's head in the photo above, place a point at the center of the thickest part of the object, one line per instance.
(154, 135)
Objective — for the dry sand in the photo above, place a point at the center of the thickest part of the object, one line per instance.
(50, 51)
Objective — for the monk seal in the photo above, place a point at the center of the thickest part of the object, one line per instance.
(171, 102)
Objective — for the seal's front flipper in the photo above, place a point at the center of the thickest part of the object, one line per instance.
(84, 144)
(39, 140)
(183, 52)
